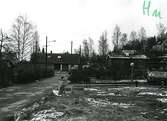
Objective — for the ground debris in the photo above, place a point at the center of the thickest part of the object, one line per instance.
(102, 104)
(46, 115)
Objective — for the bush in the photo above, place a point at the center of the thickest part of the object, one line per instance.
(5, 74)
(27, 72)
(79, 76)
(117, 70)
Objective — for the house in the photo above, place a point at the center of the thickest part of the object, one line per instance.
(123, 65)
(60, 61)
(129, 52)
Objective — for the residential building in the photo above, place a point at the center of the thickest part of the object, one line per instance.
(60, 61)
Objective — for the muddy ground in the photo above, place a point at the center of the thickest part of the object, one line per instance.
(99, 104)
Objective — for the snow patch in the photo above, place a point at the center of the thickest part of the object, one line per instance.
(55, 92)
(122, 105)
(163, 100)
(99, 102)
(90, 89)
(153, 94)
(106, 94)
(104, 103)
(46, 115)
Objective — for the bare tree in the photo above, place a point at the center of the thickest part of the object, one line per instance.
(91, 50)
(2, 41)
(142, 34)
(85, 48)
(161, 29)
(143, 38)
(76, 51)
(123, 40)
(162, 37)
(133, 36)
(5, 42)
(116, 37)
(35, 43)
(22, 36)
(103, 44)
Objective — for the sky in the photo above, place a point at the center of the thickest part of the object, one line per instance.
(76, 20)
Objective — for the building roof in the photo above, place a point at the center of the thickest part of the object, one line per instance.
(128, 57)
(129, 52)
(56, 58)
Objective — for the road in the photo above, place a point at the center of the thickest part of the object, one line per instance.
(11, 98)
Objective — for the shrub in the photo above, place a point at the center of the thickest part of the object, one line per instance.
(79, 76)
(5, 74)
(27, 72)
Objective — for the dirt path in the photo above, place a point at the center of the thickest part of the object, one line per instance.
(13, 97)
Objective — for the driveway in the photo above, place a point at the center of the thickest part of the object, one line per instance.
(11, 98)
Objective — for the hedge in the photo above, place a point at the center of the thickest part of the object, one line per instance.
(79, 76)
(28, 72)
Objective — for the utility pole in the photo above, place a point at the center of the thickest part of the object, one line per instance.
(46, 61)
(1, 46)
(1, 78)
(71, 46)
(1, 41)
(80, 51)
(46, 54)
(80, 64)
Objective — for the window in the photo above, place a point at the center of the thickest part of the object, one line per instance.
(59, 57)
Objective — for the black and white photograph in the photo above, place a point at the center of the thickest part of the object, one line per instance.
(83, 60)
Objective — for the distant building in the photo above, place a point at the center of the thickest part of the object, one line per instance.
(60, 61)
(122, 65)
(129, 52)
